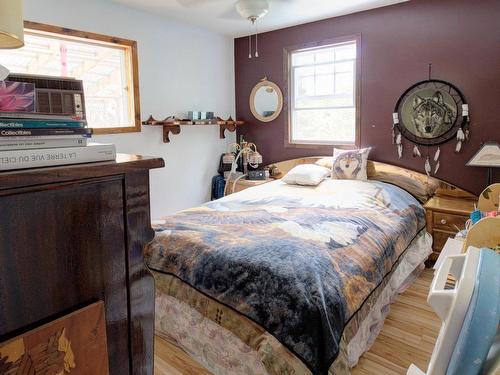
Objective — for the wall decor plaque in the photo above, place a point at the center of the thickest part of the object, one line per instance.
(74, 344)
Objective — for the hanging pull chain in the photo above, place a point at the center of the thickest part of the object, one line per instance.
(250, 41)
(250, 46)
(256, 40)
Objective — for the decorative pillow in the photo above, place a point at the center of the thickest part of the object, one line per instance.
(306, 174)
(350, 164)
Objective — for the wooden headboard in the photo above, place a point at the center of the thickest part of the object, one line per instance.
(418, 184)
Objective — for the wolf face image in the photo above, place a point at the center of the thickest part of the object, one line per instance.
(432, 116)
(348, 165)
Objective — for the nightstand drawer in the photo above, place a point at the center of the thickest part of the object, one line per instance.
(439, 239)
(444, 215)
(449, 222)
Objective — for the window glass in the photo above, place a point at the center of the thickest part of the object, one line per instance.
(323, 104)
(104, 68)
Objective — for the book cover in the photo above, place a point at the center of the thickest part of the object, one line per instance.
(39, 116)
(39, 124)
(39, 137)
(44, 132)
(9, 144)
(22, 159)
(17, 96)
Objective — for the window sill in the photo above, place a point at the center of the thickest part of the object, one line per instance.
(129, 129)
(320, 145)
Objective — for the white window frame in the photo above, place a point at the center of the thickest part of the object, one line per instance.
(290, 83)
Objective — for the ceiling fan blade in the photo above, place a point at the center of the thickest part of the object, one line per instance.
(230, 14)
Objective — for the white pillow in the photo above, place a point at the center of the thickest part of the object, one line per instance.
(306, 174)
(350, 164)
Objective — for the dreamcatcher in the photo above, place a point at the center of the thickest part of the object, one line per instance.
(429, 114)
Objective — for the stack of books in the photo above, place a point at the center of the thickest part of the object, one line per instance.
(31, 140)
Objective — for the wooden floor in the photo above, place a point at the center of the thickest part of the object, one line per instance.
(408, 337)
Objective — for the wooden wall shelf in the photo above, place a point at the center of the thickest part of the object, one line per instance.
(173, 125)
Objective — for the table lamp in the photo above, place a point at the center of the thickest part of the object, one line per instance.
(11, 28)
(247, 151)
(487, 156)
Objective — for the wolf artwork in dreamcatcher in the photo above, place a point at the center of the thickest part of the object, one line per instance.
(428, 114)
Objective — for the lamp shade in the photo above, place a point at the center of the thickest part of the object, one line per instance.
(228, 158)
(255, 158)
(487, 156)
(11, 24)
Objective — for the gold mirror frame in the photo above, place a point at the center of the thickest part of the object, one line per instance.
(265, 82)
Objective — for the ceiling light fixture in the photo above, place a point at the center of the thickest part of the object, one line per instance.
(252, 10)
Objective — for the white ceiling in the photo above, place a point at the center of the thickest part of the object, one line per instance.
(221, 16)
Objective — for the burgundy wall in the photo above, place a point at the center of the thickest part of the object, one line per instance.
(461, 38)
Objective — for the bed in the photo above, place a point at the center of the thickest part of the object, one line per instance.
(286, 279)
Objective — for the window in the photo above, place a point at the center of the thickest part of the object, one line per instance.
(106, 65)
(322, 86)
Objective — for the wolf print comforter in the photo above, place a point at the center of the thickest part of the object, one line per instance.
(297, 261)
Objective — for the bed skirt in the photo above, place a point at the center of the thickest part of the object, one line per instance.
(227, 343)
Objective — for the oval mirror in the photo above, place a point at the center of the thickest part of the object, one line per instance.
(266, 101)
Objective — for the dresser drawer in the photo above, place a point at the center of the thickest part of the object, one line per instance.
(449, 222)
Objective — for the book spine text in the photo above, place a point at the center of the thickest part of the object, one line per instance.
(42, 143)
(22, 159)
(39, 124)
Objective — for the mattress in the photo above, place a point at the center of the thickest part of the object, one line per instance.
(289, 274)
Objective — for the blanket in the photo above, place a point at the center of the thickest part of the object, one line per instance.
(298, 261)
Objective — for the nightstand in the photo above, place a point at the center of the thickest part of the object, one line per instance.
(243, 184)
(445, 217)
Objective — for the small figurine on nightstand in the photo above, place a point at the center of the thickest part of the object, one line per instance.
(274, 171)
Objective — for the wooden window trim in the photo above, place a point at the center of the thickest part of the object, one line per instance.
(130, 52)
(321, 146)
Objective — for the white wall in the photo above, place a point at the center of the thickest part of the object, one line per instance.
(181, 68)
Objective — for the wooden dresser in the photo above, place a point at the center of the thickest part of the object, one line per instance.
(74, 235)
(445, 216)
